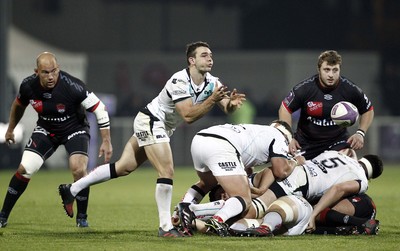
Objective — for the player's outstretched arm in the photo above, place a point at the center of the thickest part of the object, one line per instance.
(332, 196)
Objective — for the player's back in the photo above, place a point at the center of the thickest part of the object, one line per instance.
(330, 168)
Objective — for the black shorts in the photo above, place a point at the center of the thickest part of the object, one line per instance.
(312, 150)
(364, 206)
(45, 144)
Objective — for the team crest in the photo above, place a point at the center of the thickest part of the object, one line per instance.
(60, 108)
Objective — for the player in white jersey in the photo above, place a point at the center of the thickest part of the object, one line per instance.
(220, 156)
(187, 96)
(329, 177)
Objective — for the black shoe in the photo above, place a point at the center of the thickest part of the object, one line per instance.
(216, 227)
(67, 199)
(81, 220)
(187, 218)
(261, 231)
(3, 222)
(370, 227)
(346, 230)
(172, 233)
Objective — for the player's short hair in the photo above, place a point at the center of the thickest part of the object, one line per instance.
(191, 48)
(331, 57)
(373, 164)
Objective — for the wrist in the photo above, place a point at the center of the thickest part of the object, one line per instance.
(361, 132)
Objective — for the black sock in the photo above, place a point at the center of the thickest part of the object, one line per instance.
(82, 200)
(334, 218)
(16, 188)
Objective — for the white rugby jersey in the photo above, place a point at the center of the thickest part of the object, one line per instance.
(322, 172)
(253, 142)
(180, 87)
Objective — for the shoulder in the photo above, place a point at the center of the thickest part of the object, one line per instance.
(69, 78)
(210, 78)
(72, 81)
(28, 82)
(30, 79)
(349, 85)
(307, 83)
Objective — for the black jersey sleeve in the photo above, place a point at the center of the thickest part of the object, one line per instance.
(356, 96)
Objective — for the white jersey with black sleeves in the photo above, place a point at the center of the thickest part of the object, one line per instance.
(180, 87)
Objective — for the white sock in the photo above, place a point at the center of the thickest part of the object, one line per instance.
(231, 208)
(205, 211)
(192, 196)
(98, 175)
(163, 198)
(272, 220)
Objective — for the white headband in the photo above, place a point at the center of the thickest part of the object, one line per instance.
(283, 130)
(368, 166)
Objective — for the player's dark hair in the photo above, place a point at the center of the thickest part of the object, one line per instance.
(191, 48)
(376, 163)
(331, 57)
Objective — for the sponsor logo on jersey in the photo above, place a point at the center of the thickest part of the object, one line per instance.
(228, 165)
(62, 119)
(321, 122)
(178, 92)
(60, 108)
(37, 105)
(314, 108)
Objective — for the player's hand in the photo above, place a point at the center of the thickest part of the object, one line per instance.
(236, 98)
(10, 138)
(293, 147)
(220, 93)
(106, 150)
(311, 226)
(356, 141)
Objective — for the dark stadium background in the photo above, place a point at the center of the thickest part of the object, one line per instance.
(131, 43)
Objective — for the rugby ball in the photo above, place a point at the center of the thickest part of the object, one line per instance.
(344, 114)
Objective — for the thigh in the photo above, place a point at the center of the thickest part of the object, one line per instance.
(160, 156)
(235, 185)
(41, 143)
(78, 144)
(132, 157)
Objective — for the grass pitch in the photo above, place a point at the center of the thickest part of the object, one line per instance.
(123, 216)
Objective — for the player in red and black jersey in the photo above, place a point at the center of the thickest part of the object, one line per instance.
(60, 101)
(315, 97)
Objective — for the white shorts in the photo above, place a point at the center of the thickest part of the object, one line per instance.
(216, 155)
(149, 131)
(304, 211)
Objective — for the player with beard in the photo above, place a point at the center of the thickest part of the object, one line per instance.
(315, 97)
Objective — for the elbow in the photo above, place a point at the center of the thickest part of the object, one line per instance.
(280, 174)
(189, 120)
